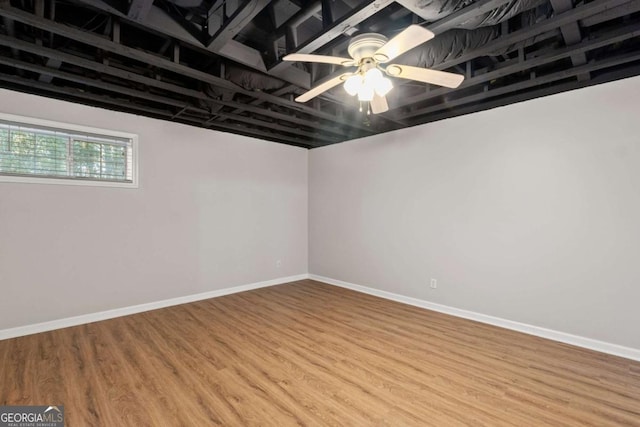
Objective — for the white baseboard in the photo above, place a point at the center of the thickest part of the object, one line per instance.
(601, 346)
(125, 311)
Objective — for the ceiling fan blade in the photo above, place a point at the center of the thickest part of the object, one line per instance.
(409, 38)
(303, 57)
(440, 78)
(322, 88)
(379, 104)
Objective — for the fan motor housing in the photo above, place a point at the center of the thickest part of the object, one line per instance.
(365, 45)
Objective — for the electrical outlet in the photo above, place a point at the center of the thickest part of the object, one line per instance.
(278, 263)
(434, 284)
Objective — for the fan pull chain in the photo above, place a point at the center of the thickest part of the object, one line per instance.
(368, 107)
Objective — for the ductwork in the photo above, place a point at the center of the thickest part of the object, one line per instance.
(502, 13)
(252, 80)
(472, 34)
(447, 46)
(246, 79)
(434, 10)
(186, 3)
(454, 43)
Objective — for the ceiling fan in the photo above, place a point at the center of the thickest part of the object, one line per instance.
(371, 52)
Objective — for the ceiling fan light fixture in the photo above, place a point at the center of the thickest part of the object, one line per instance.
(383, 87)
(353, 84)
(381, 57)
(368, 52)
(375, 79)
(365, 93)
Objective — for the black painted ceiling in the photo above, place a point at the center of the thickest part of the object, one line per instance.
(217, 63)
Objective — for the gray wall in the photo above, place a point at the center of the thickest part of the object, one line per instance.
(528, 212)
(213, 211)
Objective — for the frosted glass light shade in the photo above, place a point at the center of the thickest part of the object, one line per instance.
(353, 84)
(365, 86)
(373, 77)
(365, 93)
(383, 86)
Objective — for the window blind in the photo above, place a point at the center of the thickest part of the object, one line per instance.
(39, 151)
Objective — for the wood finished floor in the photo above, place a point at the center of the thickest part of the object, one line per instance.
(307, 353)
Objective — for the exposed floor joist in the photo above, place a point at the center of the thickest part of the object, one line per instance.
(614, 36)
(522, 35)
(230, 77)
(571, 34)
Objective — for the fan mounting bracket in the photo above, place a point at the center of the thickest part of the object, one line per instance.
(365, 45)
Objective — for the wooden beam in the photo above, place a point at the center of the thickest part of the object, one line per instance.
(160, 21)
(115, 32)
(243, 54)
(616, 12)
(283, 90)
(539, 28)
(551, 24)
(571, 34)
(236, 23)
(532, 94)
(295, 131)
(517, 66)
(98, 84)
(328, 133)
(51, 62)
(149, 97)
(139, 9)
(176, 52)
(77, 93)
(144, 57)
(343, 24)
(74, 93)
(328, 15)
(324, 127)
(534, 82)
(464, 14)
(456, 18)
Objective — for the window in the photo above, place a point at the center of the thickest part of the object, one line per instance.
(54, 153)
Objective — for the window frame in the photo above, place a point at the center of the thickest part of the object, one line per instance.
(76, 128)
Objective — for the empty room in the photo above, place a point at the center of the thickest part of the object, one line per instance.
(301, 212)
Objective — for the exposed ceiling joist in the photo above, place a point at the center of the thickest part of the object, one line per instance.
(139, 9)
(28, 85)
(234, 24)
(127, 92)
(315, 141)
(613, 13)
(533, 82)
(535, 93)
(550, 24)
(206, 63)
(464, 14)
(159, 21)
(611, 37)
(428, 94)
(571, 33)
(338, 28)
(505, 41)
(99, 42)
(442, 25)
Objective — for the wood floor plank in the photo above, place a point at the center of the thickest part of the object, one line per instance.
(311, 354)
